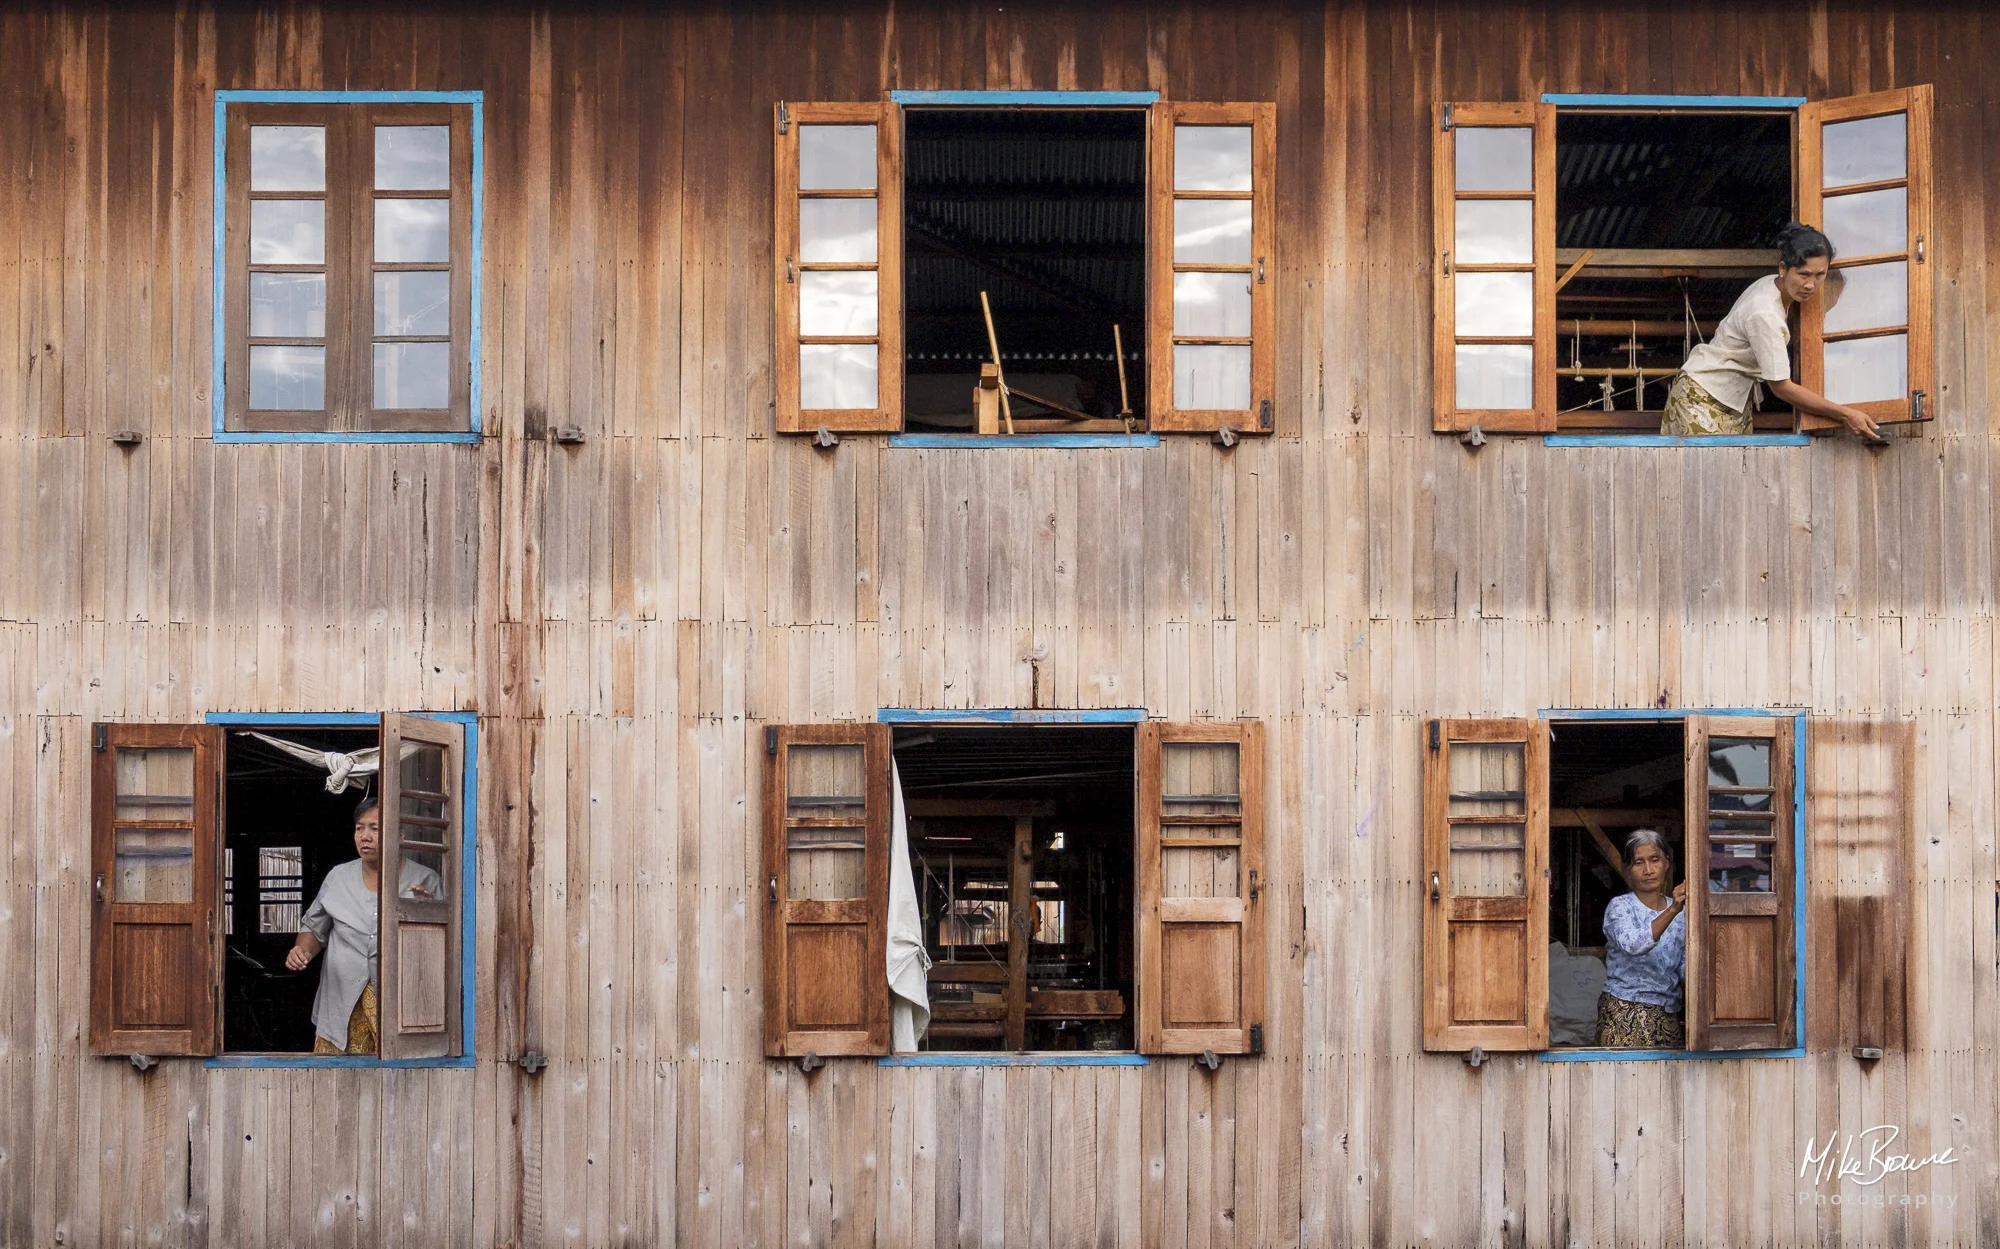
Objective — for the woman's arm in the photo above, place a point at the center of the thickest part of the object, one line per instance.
(303, 952)
(1666, 917)
(1805, 400)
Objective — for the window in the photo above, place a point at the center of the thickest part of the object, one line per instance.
(180, 810)
(1059, 268)
(347, 269)
(1584, 248)
(1525, 821)
(1077, 888)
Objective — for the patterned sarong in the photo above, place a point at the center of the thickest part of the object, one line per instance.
(1693, 412)
(361, 1027)
(1638, 1025)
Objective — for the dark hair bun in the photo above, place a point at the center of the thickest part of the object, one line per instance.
(1799, 243)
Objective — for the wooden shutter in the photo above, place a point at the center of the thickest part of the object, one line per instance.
(1486, 885)
(839, 267)
(1865, 179)
(156, 822)
(826, 867)
(1494, 318)
(1860, 837)
(1200, 888)
(1739, 874)
(423, 766)
(1212, 273)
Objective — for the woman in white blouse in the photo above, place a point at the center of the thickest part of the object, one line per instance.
(1645, 953)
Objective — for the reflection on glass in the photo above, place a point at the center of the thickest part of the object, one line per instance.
(412, 375)
(1212, 231)
(1864, 370)
(1208, 376)
(1494, 376)
(841, 302)
(412, 231)
(1868, 297)
(287, 158)
(1489, 860)
(1201, 778)
(1739, 762)
(1747, 803)
(288, 379)
(826, 782)
(1496, 305)
(1488, 778)
(1212, 305)
(825, 864)
(423, 878)
(1200, 872)
(1495, 158)
(837, 231)
(1873, 149)
(154, 783)
(1739, 867)
(412, 304)
(836, 158)
(288, 305)
(287, 232)
(1495, 232)
(837, 375)
(153, 865)
(1211, 158)
(413, 158)
(1869, 223)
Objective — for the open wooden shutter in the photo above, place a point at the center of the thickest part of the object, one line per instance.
(1486, 883)
(156, 823)
(1201, 881)
(1861, 815)
(1494, 314)
(839, 267)
(1740, 883)
(826, 863)
(1865, 179)
(1212, 275)
(423, 766)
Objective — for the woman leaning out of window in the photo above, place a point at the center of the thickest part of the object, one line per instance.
(1645, 953)
(343, 921)
(1716, 391)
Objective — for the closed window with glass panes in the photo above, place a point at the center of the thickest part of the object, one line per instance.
(347, 282)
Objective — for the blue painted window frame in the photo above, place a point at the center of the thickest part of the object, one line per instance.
(1772, 103)
(1798, 886)
(468, 886)
(217, 327)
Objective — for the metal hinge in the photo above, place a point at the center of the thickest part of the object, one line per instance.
(784, 118)
(1916, 405)
(1436, 733)
(771, 740)
(1445, 124)
(1264, 414)
(1256, 1038)
(100, 736)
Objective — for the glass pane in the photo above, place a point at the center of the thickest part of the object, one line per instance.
(1868, 297)
(423, 877)
(287, 232)
(836, 158)
(288, 305)
(153, 865)
(154, 784)
(287, 158)
(280, 878)
(1495, 305)
(422, 792)
(837, 375)
(1201, 778)
(287, 378)
(412, 231)
(1870, 223)
(1743, 762)
(837, 231)
(413, 158)
(1739, 867)
(839, 302)
(1199, 872)
(1495, 376)
(826, 782)
(1495, 158)
(1212, 231)
(1212, 305)
(1211, 158)
(1488, 778)
(412, 303)
(1864, 370)
(1494, 232)
(412, 375)
(1873, 149)
(825, 863)
(1211, 377)
(1489, 860)
(1751, 803)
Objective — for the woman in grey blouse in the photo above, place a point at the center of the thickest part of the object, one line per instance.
(1645, 953)
(343, 921)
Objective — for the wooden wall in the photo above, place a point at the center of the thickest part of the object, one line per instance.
(627, 614)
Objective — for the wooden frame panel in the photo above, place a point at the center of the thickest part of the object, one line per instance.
(1261, 272)
(421, 939)
(1741, 953)
(788, 267)
(1919, 402)
(1448, 121)
(155, 964)
(830, 953)
(1486, 977)
(1200, 978)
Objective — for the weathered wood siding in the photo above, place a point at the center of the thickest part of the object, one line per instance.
(627, 614)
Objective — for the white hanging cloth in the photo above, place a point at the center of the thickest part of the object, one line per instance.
(909, 962)
(340, 768)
